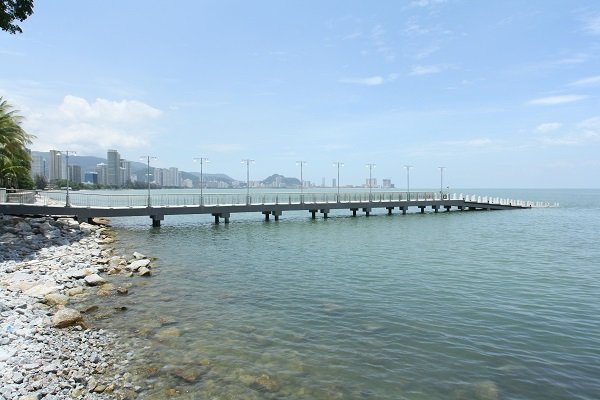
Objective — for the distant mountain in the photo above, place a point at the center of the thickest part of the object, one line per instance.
(213, 177)
(277, 180)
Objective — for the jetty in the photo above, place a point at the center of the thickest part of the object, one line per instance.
(89, 205)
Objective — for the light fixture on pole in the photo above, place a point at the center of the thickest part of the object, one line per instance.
(338, 165)
(301, 164)
(67, 152)
(148, 158)
(202, 161)
(442, 182)
(247, 161)
(370, 166)
(408, 167)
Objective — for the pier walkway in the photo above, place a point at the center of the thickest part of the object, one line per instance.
(85, 206)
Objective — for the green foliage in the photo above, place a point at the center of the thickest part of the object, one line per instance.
(15, 160)
(14, 10)
(40, 182)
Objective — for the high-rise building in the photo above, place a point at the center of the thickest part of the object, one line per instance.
(125, 171)
(372, 183)
(55, 166)
(113, 168)
(38, 167)
(91, 177)
(102, 171)
(75, 173)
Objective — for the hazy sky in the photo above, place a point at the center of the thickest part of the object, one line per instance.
(501, 93)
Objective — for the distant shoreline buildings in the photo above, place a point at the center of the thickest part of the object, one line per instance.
(116, 172)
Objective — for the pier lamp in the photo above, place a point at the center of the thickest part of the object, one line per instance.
(247, 161)
(148, 158)
(67, 152)
(441, 182)
(338, 165)
(408, 167)
(202, 160)
(370, 166)
(301, 164)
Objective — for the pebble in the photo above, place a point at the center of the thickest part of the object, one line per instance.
(56, 261)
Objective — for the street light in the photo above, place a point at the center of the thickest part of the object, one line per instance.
(202, 161)
(247, 161)
(338, 165)
(148, 158)
(442, 182)
(301, 163)
(408, 167)
(370, 166)
(67, 203)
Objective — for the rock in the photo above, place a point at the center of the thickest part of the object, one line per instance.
(66, 317)
(56, 299)
(486, 390)
(167, 333)
(122, 290)
(144, 272)
(105, 290)
(266, 383)
(138, 256)
(137, 264)
(75, 291)
(42, 289)
(190, 374)
(94, 280)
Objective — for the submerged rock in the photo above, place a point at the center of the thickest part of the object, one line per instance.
(94, 280)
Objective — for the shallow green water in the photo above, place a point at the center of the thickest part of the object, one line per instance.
(459, 305)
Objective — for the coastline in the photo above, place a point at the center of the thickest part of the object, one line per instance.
(48, 269)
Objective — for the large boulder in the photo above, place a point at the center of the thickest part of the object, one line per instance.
(42, 289)
(56, 299)
(137, 264)
(66, 317)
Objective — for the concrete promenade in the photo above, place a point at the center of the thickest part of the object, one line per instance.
(268, 204)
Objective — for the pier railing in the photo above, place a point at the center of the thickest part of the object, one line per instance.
(113, 200)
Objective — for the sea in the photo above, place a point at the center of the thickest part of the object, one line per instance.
(451, 305)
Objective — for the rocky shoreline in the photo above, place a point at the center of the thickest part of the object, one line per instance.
(48, 268)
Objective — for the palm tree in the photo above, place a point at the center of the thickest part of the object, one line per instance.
(15, 160)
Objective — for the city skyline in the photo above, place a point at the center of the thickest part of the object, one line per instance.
(503, 94)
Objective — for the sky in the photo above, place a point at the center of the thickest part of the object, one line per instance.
(503, 94)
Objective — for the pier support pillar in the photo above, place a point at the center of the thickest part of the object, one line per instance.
(422, 209)
(313, 213)
(435, 208)
(367, 211)
(156, 220)
(225, 216)
(324, 212)
(461, 208)
(447, 208)
(404, 210)
(266, 214)
(390, 209)
(276, 214)
(354, 210)
(216, 218)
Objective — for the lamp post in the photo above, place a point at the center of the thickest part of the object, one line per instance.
(247, 161)
(408, 167)
(148, 158)
(370, 166)
(67, 202)
(338, 165)
(202, 161)
(442, 182)
(301, 164)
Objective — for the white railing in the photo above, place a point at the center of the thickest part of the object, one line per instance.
(87, 199)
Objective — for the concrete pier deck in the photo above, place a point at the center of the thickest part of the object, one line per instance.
(267, 204)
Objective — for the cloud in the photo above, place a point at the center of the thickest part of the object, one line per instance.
(555, 100)
(548, 127)
(92, 127)
(592, 24)
(586, 131)
(418, 70)
(372, 80)
(591, 81)
(426, 3)
(381, 46)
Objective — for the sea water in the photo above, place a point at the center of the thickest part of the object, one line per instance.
(453, 305)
